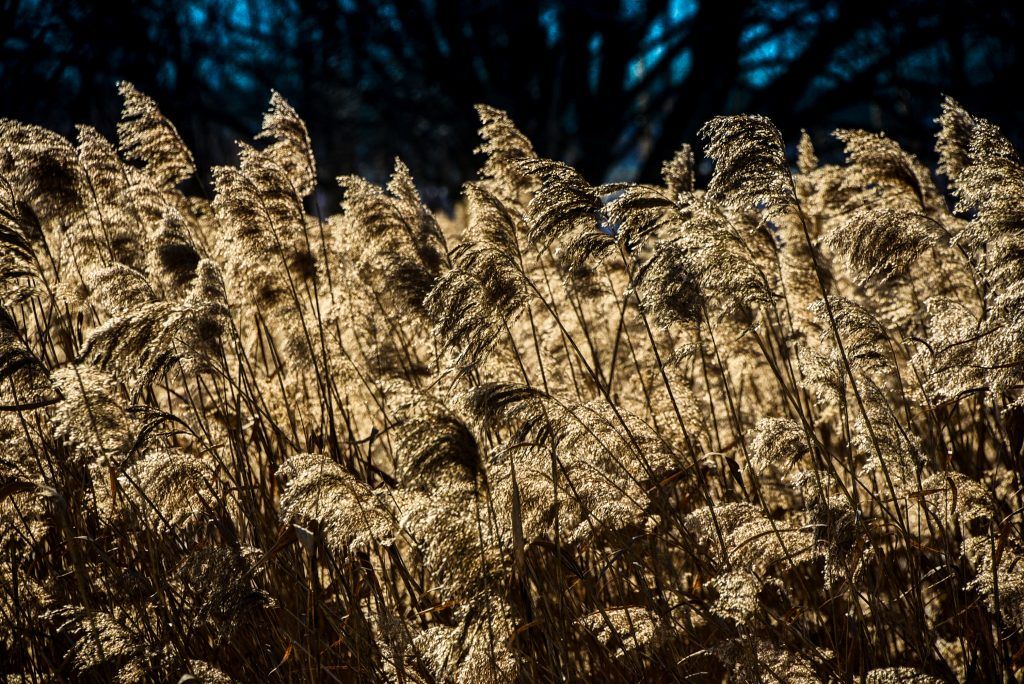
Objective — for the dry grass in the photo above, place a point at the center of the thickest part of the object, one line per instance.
(766, 431)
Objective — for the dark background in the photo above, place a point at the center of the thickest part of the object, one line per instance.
(612, 86)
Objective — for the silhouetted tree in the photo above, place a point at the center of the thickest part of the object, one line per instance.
(613, 86)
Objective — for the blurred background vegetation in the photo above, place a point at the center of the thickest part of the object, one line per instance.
(612, 86)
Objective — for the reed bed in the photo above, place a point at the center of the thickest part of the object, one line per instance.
(769, 430)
